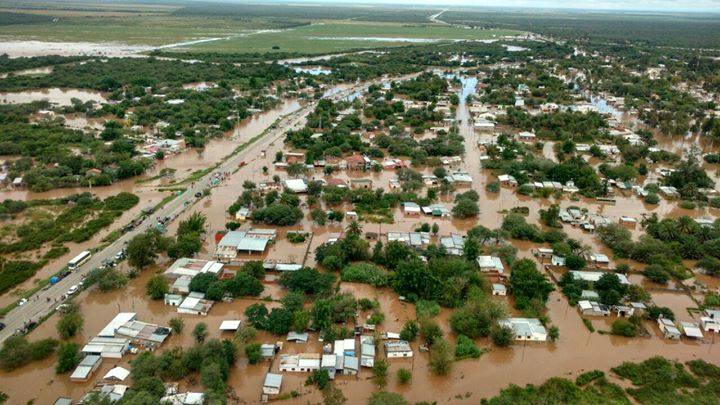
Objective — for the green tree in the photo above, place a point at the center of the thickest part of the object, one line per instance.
(441, 357)
(177, 325)
(70, 324)
(380, 371)
(386, 398)
(253, 352)
(157, 287)
(68, 357)
(528, 284)
(141, 251)
(404, 376)
(200, 332)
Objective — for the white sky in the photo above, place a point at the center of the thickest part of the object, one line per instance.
(643, 5)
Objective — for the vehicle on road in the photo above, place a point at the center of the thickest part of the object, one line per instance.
(79, 260)
(2, 326)
(22, 302)
(73, 290)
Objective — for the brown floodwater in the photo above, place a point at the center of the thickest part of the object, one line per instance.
(62, 97)
(577, 350)
(184, 164)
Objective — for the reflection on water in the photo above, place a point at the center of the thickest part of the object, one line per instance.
(314, 70)
(62, 97)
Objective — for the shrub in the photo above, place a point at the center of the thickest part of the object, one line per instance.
(157, 287)
(501, 336)
(365, 273)
(589, 376)
(68, 357)
(623, 327)
(426, 309)
(440, 357)
(652, 198)
(404, 376)
(465, 348)
(253, 352)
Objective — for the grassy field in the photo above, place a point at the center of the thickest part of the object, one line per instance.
(342, 36)
(136, 30)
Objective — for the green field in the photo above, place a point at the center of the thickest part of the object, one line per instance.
(336, 36)
(136, 30)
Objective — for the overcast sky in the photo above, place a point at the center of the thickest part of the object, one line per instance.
(643, 5)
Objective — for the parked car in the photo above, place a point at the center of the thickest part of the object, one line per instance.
(22, 302)
(73, 290)
(2, 326)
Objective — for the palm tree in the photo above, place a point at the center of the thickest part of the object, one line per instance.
(353, 229)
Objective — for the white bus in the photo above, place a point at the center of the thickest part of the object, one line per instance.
(79, 260)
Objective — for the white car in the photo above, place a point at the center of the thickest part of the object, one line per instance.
(73, 290)
(22, 302)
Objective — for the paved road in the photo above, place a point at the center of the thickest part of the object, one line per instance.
(44, 301)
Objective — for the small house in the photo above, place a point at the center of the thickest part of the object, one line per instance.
(710, 322)
(530, 329)
(304, 362)
(398, 348)
(351, 365)
(367, 351)
(297, 337)
(691, 330)
(410, 208)
(88, 365)
(499, 289)
(490, 263)
(195, 304)
(117, 374)
(668, 328)
(591, 308)
(361, 184)
(297, 186)
(272, 384)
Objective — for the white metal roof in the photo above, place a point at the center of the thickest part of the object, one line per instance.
(117, 373)
(120, 319)
(230, 325)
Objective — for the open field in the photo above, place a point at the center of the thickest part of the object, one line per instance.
(145, 30)
(663, 29)
(342, 36)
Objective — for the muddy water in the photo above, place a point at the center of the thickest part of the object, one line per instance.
(62, 97)
(16, 49)
(184, 164)
(577, 350)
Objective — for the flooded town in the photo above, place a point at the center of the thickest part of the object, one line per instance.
(458, 211)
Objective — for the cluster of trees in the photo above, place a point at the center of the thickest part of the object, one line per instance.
(273, 208)
(119, 73)
(466, 205)
(246, 282)
(351, 248)
(84, 216)
(17, 351)
(49, 159)
(324, 315)
(536, 84)
(529, 286)
(143, 249)
(665, 243)
(609, 288)
(426, 87)
(212, 359)
(532, 168)
(559, 125)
